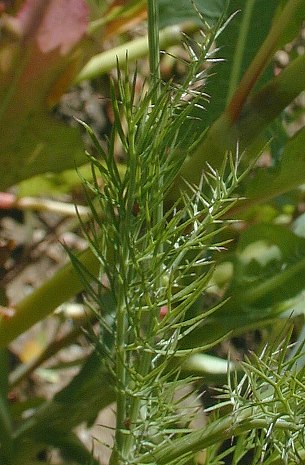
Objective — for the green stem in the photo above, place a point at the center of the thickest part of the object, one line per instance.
(122, 441)
(40, 303)
(119, 449)
(154, 61)
(153, 43)
(233, 425)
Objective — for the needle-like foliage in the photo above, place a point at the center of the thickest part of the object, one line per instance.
(154, 267)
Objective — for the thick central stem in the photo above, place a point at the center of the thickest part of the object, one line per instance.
(153, 42)
(154, 54)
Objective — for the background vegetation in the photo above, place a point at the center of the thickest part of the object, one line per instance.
(193, 215)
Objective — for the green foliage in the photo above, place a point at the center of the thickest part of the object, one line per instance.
(247, 115)
(184, 10)
(266, 415)
(40, 59)
(238, 46)
(161, 233)
(286, 176)
(153, 263)
(270, 257)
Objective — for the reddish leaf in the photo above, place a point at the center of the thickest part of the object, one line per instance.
(29, 17)
(63, 26)
(37, 63)
(54, 23)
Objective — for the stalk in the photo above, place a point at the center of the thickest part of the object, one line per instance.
(154, 62)
(153, 45)
(121, 375)
(121, 450)
(228, 427)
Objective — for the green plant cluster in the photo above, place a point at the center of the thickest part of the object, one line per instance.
(156, 267)
(191, 240)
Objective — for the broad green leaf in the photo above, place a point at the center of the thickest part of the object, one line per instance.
(54, 183)
(269, 267)
(294, 20)
(237, 45)
(43, 145)
(248, 133)
(181, 11)
(244, 121)
(292, 11)
(285, 176)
